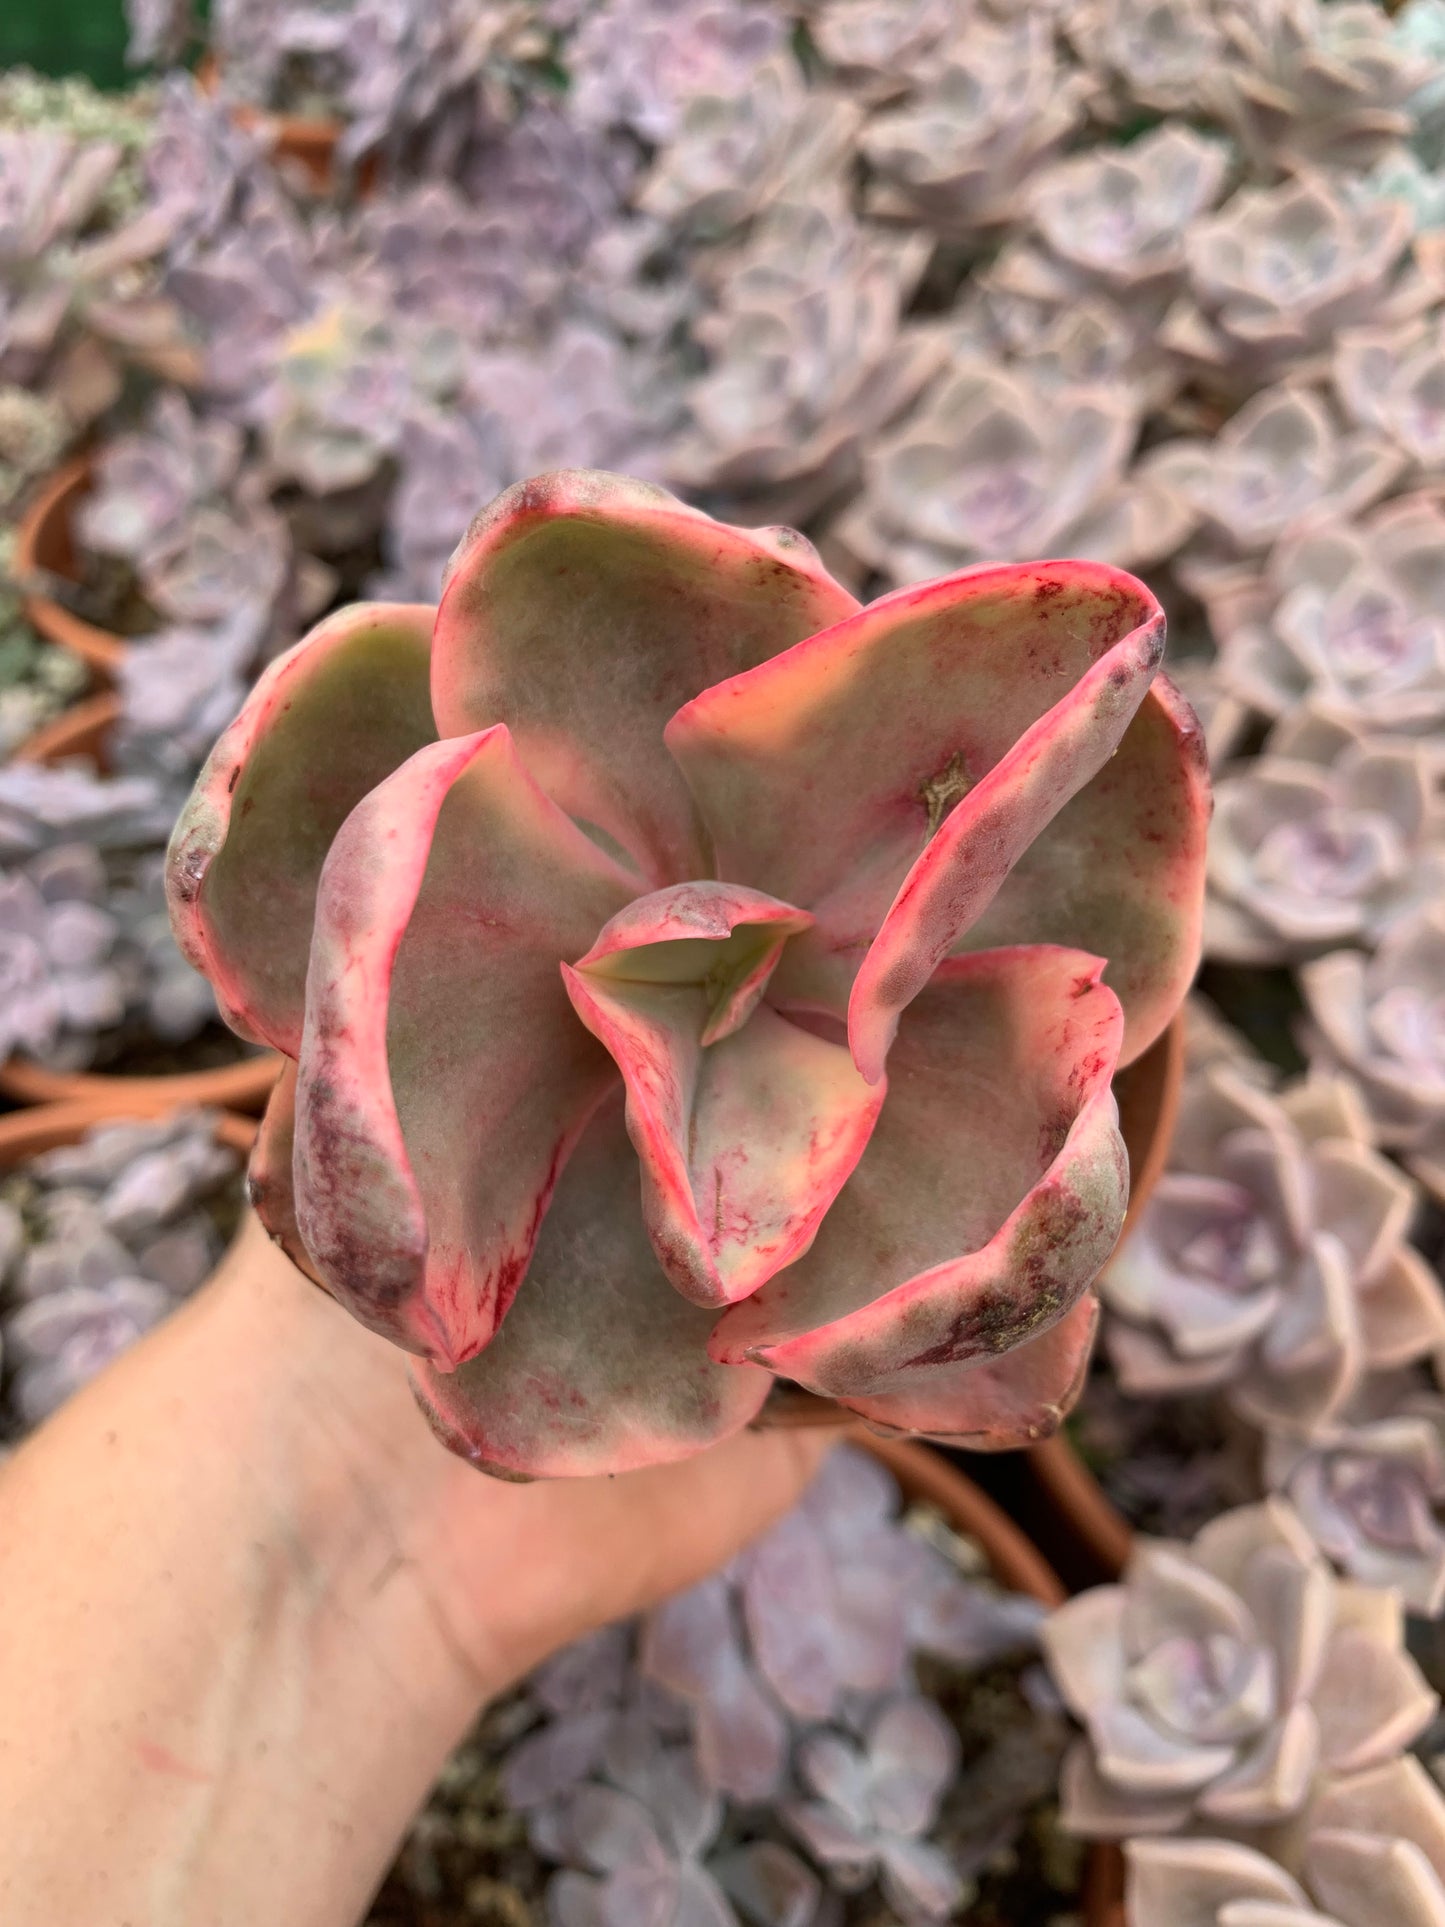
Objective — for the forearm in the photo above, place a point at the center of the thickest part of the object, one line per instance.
(220, 1708)
(248, 1604)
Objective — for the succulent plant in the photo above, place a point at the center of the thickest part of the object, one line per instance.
(639, 63)
(35, 432)
(98, 1241)
(1382, 1018)
(879, 49)
(869, 1803)
(1271, 1262)
(731, 1195)
(57, 940)
(41, 807)
(1345, 614)
(1218, 1680)
(808, 361)
(1419, 27)
(1372, 1840)
(37, 680)
(79, 299)
(1278, 271)
(735, 153)
(957, 157)
(1150, 54)
(1003, 463)
(1393, 379)
(1302, 82)
(173, 501)
(160, 31)
(1281, 458)
(1369, 1492)
(179, 689)
(786, 1686)
(1120, 215)
(1330, 837)
(243, 291)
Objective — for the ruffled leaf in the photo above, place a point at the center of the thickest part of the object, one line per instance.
(324, 724)
(582, 609)
(992, 1190)
(599, 1366)
(745, 1125)
(270, 1183)
(443, 1075)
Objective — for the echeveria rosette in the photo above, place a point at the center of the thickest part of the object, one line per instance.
(652, 940)
(1221, 1683)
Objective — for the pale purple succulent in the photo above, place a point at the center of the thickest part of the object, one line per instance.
(868, 1803)
(1302, 81)
(808, 362)
(58, 1343)
(1281, 458)
(1382, 1018)
(640, 63)
(1279, 271)
(1370, 1492)
(1120, 215)
(879, 49)
(1219, 1680)
(1348, 614)
(735, 153)
(1024, 308)
(243, 292)
(42, 806)
(1370, 1841)
(996, 464)
(58, 967)
(1393, 380)
(1332, 836)
(178, 690)
(958, 157)
(159, 30)
(1151, 54)
(1271, 1263)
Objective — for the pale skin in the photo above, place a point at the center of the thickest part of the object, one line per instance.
(250, 1605)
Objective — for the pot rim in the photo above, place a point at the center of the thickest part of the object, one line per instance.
(55, 500)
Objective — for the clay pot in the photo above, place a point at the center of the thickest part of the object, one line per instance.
(244, 1086)
(925, 1475)
(304, 143)
(24, 1134)
(43, 542)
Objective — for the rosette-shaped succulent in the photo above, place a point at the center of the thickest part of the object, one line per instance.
(1219, 1680)
(1394, 379)
(1006, 463)
(1330, 837)
(1271, 1262)
(1351, 615)
(881, 48)
(1369, 1493)
(1154, 54)
(638, 63)
(1279, 459)
(1303, 81)
(1371, 1850)
(1383, 1019)
(808, 361)
(957, 158)
(1279, 271)
(481, 890)
(1119, 215)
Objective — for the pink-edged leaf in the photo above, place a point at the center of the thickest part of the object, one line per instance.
(324, 724)
(443, 1074)
(745, 1124)
(991, 1192)
(270, 1183)
(599, 1366)
(996, 1405)
(1120, 871)
(582, 609)
(888, 773)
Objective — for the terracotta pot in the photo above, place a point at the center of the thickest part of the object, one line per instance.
(307, 142)
(1015, 1562)
(24, 1134)
(1094, 1537)
(43, 542)
(244, 1086)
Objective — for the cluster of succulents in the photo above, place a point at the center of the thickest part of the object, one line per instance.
(98, 1241)
(757, 1748)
